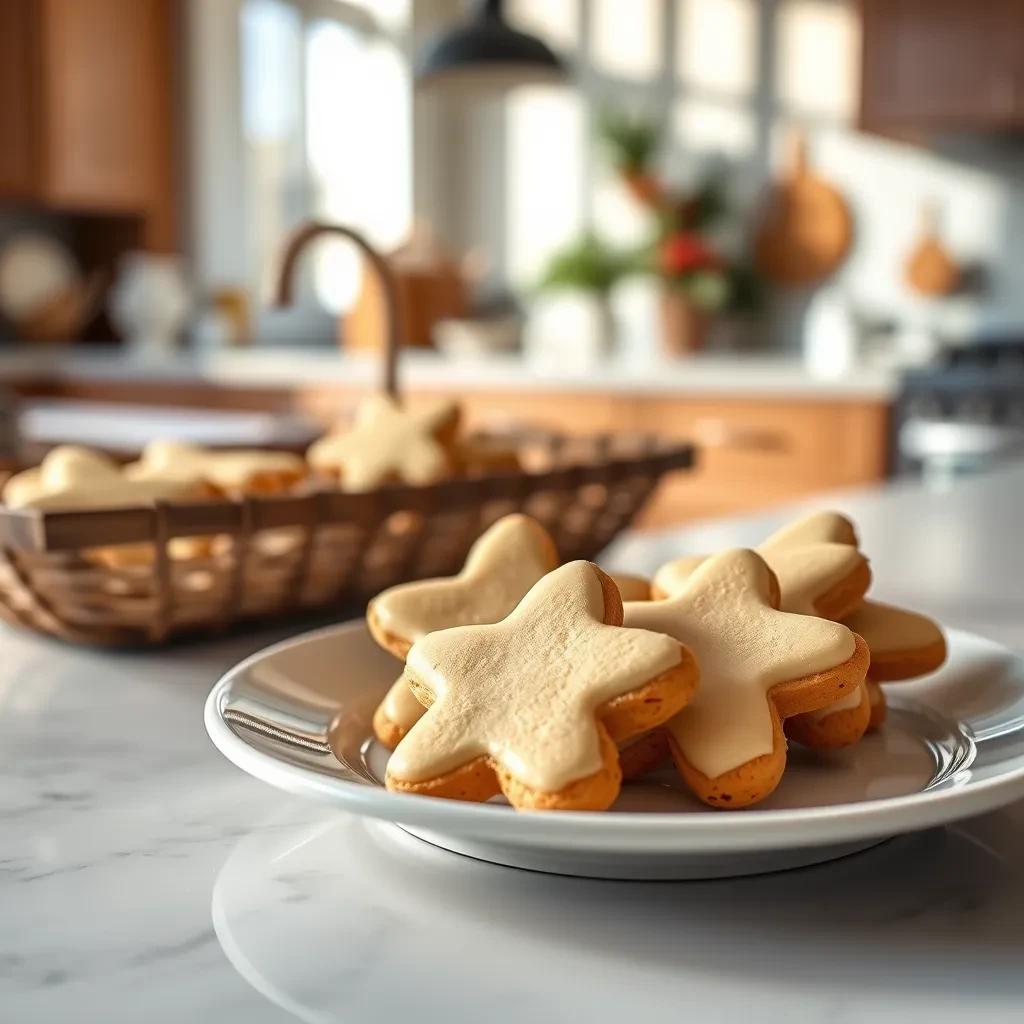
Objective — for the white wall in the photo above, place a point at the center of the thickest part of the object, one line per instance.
(729, 76)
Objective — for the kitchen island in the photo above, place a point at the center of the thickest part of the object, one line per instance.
(142, 877)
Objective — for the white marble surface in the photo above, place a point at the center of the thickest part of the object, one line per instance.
(142, 878)
(277, 367)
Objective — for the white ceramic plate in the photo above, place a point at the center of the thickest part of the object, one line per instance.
(298, 715)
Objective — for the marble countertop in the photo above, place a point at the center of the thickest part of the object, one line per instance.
(143, 878)
(283, 367)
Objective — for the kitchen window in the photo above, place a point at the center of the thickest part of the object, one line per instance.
(320, 127)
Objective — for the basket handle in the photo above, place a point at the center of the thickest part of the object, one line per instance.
(306, 233)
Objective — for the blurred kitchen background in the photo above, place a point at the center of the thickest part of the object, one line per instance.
(792, 230)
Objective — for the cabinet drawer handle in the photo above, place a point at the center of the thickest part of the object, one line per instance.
(717, 433)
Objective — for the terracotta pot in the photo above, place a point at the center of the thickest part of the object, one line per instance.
(683, 325)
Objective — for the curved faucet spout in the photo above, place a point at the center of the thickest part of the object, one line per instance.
(297, 242)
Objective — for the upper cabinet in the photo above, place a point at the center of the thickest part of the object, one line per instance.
(87, 112)
(942, 65)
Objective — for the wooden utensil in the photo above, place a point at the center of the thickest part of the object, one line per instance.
(806, 226)
(930, 268)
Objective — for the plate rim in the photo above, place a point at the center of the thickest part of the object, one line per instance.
(706, 830)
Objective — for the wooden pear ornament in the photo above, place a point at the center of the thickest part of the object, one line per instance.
(806, 226)
(930, 268)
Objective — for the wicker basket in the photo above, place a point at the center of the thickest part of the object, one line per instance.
(269, 557)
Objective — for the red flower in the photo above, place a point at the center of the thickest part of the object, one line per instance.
(685, 252)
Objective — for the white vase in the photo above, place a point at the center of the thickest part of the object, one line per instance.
(569, 330)
(150, 303)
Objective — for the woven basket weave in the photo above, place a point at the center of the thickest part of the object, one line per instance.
(269, 557)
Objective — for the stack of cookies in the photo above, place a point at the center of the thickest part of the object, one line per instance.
(386, 443)
(551, 683)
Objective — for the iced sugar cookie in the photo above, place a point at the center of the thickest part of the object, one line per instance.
(396, 714)
(72, 479)
(506, 560)
(758, 666)
(234, 472)
(501, 567)
(839, 724)
(820, 572)
(632, 588)
(816, 561)
(388, 443)
(643, 754)
(481, 455)
(879, 709)
(904, 644)
(532, 706)
(399, 711)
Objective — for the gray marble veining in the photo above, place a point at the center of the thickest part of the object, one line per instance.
(144, 878)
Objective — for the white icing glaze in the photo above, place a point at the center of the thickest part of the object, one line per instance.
(890, 630)
(816, 528)
(525, 690)
(387, 442)
(632, 588)
(744, 647)
(501, 567)
(808, 558)
(673, 576)
(230, 470)
(401, 706)
(852, 700)
(76, 478)
(808, 572)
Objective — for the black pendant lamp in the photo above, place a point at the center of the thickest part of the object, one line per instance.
(485, 52)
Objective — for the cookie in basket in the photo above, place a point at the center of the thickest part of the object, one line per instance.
(389, 443)
(758, 665)
(820, 572)
(74, 479)
(236, 473)
(501, 567)
(480, 455)
(533, 706)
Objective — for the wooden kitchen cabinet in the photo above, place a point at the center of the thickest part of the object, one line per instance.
(87, 111)
(754, 452)
(942, 65)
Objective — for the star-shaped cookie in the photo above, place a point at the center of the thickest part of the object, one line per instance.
(388, 443)
(504, 562)
(234, 472)
(903, 644)
(821, 572)
(758, 665)
(532, 705)
(816, 561)
(71, 478)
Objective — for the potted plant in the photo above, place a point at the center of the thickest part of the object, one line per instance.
(696, 287)
(631, 143)
(698, 280)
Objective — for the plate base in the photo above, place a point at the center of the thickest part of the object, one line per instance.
(650, 867)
